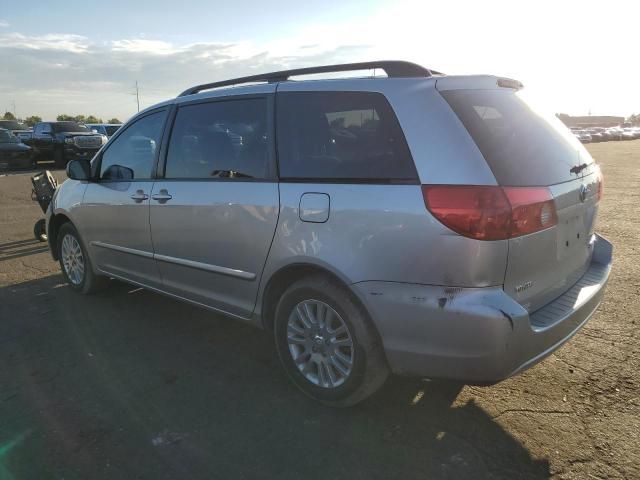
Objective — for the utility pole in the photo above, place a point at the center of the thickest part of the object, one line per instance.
(137, 94)
(14, 109)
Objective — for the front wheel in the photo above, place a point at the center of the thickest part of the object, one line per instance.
(327, 344)
(75, 263)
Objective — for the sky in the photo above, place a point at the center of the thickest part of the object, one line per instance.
(81, 57)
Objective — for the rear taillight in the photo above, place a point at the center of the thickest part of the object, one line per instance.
(491, 212)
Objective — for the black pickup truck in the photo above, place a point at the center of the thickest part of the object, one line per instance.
(64, 141)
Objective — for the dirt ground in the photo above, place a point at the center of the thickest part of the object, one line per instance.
(128, 384)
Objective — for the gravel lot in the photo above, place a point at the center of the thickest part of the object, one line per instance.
(128, 384)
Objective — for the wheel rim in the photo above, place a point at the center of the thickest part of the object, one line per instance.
(320, 344)
(72, 259)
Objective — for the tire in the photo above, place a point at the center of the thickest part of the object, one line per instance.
(368, 369)
(40, 230)
(58, 159)
(88, 282)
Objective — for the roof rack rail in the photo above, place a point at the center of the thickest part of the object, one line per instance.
(393, 69)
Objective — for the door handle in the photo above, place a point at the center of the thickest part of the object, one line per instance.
(139, 196)
(162, 196)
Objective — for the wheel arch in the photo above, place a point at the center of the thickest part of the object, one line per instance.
(285, 276)
(56, 221)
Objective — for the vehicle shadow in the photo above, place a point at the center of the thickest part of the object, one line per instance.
(130, 384)
(21, 248)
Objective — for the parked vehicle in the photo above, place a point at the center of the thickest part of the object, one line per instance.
(65, 141)
(107, 129)
(20, 130)
(583, 136)
(596, 135)
(628, 134)
(13, 153)
(421, 224)
(615, 133)
(603, 132)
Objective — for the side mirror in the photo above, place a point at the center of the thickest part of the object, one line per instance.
(79, 170)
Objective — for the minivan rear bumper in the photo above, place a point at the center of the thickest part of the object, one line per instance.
(478, 335)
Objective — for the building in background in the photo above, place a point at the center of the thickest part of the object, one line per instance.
(591, 121)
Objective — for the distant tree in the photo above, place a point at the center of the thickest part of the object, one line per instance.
(79, 118)
(32, 120)
(9, 116)
(114, 120)
(634, 119)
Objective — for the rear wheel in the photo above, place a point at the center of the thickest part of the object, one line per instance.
(59, 159)
(327, 344)
(75, 263)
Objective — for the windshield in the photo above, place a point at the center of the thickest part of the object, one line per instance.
(12, 125)
(521, 146)
(111, 129)
(8, 137)
(69, 127)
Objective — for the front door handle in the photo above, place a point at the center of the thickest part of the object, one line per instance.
(162, 196)
(139, 196)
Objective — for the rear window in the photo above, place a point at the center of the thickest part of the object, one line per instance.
(72, 127)
(341, 136)
(12, 125)
(521, 147)
(222, 139)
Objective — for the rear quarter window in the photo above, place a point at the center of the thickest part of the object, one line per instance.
(341, 136)
(521, 146)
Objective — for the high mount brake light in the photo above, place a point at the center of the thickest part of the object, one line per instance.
(491, 212)
(510, 83)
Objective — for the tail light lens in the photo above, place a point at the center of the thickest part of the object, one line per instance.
(491, 212)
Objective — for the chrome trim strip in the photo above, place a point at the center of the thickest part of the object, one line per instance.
(179, 261)
(207, 267)
(172, 295)
(132, 251)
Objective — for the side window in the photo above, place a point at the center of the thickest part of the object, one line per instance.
(223, 139)
(132, 154)
(38, 129)
(340, 136)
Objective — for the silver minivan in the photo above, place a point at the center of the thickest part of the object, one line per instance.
(413, 223)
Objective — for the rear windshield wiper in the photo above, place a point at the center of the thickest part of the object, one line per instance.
(578, 168)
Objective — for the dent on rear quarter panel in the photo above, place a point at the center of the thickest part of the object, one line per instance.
(381, 232)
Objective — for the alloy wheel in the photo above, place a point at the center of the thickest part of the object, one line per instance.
(320, 344)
